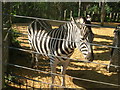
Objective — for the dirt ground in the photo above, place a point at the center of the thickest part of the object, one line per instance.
(97, 72)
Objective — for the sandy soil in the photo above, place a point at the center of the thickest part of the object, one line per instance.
(77, 69)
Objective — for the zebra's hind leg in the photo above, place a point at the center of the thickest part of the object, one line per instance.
(34, 60)
(53, 64)
(63, 70)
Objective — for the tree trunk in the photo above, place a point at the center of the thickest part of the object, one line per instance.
(117, 17)
(79, 8)
(70, 14)
(65, 14)
(102, 13)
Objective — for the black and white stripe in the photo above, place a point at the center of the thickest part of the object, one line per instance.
(34, 30)
(61, 41)
(85, 23)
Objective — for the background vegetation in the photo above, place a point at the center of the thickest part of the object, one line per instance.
(109, 11)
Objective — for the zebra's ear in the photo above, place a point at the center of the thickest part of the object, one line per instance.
(118, 27)
(88, 18)
(72, 19)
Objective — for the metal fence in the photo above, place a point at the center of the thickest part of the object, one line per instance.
(10, 74)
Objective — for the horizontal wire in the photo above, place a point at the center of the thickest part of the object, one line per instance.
(29, 51)
(19, 16)
(18, 83)
(99, 82)
(37, 80)
(35, 18)
(69, 40)
(65, 57)
(73, 59)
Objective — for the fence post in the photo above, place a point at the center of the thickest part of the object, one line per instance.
(1, 50)
(119, 69)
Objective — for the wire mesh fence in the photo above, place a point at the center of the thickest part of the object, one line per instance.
(16, 80)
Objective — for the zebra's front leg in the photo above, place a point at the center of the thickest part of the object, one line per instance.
(53, 64)
(34, 60)
(63, 70)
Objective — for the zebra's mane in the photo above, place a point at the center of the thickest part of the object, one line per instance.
(64, 27)
(61, 31)
(84, 18)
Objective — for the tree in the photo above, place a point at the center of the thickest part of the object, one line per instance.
(102, 12)
(79, 8)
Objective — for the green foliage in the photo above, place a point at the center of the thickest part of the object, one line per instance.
(9, 78)
(13, 38)
(55, 10)
(108, 8)
(94, 8)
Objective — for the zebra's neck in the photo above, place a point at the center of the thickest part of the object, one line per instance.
(71, 33)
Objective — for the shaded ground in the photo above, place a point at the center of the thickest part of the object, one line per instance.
(90, 71)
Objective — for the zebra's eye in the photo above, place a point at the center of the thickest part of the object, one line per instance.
(82, 38)
(115, 31)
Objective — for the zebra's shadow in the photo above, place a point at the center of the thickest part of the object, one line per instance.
(92, 75)
(23, 59)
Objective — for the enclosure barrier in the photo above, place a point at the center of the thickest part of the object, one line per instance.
(1, 49)
(19, 16)
(36, 70)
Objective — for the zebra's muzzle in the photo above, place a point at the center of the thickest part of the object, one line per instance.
(90, 57)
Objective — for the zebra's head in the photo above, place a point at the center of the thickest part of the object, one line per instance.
(115, 52)
(116, 40)
(85, 37)
(83, 23)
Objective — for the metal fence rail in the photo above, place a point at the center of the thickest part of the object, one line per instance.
(88, 80)
(36, 70)
(27, 17)
(37, 80)
(68, 40)
(85, 61)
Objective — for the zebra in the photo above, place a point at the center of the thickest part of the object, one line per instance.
(42, 25)
(88, 34)
(115, 52)
(62, 42)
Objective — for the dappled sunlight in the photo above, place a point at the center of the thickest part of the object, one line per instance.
(103, 36)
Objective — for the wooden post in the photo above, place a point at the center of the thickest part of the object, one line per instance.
(65, 14)
(71, 14)
(79, 8)
(117, 17)
(1, 50)
(102, 12)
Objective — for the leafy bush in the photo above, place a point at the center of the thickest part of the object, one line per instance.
(14, 34)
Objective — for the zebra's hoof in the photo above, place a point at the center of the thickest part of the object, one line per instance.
(34, 66)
